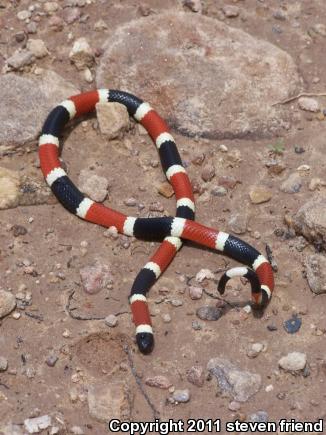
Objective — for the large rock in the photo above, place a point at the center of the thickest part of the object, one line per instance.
(28, 100)
(316, 273)
(204, 77)
(7, 303)
(108, 401)
(241, 385)
(9, 188)
(310, 221)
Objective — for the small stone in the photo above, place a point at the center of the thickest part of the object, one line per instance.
(299, 150)
(88, 76)
(238, 222)
(279, 15)
(316, 273)
(113, 119)
(24, 15)
(56, 23)
(292, 325)
(209, 312)
(176, 302)
(223, 148)
(195, 292)
(293, 361)
(165, 189)
(37, 424)
(315, 183)
(51, 360)
(272, 327)
(37, 47)
(111, 320)
(112, 233)
(260, 194)
(208, 173)
(166, 318)
(195, 375)
(204, 274)
(255, 350)
(71, 15)
(82, 55)
(259, 417)
(219, 191)
(18, 230)
(320, 29)
(158, 382)
(292, 184)
(31, 28)
(95, 277)
(308, 104)
(93, 185)
(234, 406)
(194, 5)
(100, 25)
(269, 388)
(51, 7)
(3, 364)
(230, 11)
(196, 325)
(7, 303)
(20, 59)
(181, 396)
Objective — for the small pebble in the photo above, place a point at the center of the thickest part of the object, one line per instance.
(111, 320)
(195, 375)
(195, 292)
(51, 360)
(3, 364)
(292, 325)
(176, 302)
(234, 406)
(293, 361)
(181, 396)
(208, 173)
(209, 312)
(196, 325)
(299, 150)
(166, 318)
(308, 104)
(159, 381)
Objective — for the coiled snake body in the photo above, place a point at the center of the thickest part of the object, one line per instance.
(171, 229)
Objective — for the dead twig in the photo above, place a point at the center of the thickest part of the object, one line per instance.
(302, 94)
(126, 348)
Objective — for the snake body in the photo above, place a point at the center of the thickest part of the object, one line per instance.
(171, 229)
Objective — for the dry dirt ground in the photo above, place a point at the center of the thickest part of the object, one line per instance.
(88, 351)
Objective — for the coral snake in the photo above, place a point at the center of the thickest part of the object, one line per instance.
(171, 229)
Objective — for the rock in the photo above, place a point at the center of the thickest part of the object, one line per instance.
(208, 173)
(259, 417)
(319, 28)
(113, 119)
(308, 104)
(241, 71)
(292, 184)
(158, 382)
(20, 59)
(70, 15)
(219, 191)
(310, 221)
(9, 188)
(260, 194)
(255, 350)
(109, 400)
(209, 312)
(3, 364)
(111, 320)
(195, 292)
(24, 15)
(37, 47)
(95, 277)
(238, 222)
(316, 273)
(292, 325)
(51, 360)
(41, 94)
(77, 430)
(165, 189)
(193, 5)
(81, 55)
(100, 25)
(7, 303)
(228, 182)
(37, 424)
(51, 7)
(195, 375)
(93, 185)
(241, 385)
(204, 274)
(181, 396)
(293, 361)
(230, 11)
